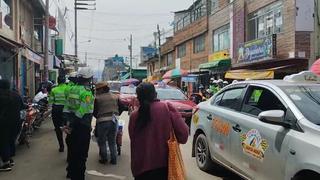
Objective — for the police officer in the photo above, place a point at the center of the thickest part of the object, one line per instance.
(80, 102)
(72, 80)
(58, 99)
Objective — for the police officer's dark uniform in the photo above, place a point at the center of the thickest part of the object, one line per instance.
(80, 102)
(58, 99)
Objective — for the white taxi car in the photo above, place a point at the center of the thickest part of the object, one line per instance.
(262, 129)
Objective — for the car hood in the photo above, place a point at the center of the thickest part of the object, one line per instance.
(182, 104)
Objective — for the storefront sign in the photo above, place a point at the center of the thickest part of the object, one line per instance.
(33, 56)
(189, 79)
(261, 49)
(219, 56)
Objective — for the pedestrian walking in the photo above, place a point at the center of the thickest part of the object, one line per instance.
(58, 99)
(10, 106)
(149, 131)
(67, 113)
(80, 102)
(106, 108)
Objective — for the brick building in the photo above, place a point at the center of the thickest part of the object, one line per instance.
(267, 36)
(231, 38)
(191, 36)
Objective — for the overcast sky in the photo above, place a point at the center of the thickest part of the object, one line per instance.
(110, 26)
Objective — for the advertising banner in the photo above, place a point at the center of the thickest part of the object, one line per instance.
(256, 50)
(221, 55)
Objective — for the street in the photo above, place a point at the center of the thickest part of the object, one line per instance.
(43, 161)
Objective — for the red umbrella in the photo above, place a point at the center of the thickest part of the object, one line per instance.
(175, 73)
(315, 68)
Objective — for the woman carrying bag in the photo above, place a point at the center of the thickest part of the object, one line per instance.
(153, 128)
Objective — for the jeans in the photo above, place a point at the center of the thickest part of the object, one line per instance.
(107, 132)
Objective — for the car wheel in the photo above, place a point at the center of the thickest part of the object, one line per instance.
(202, 153)
(307, 175)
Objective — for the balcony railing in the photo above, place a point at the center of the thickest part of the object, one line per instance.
(190, 17)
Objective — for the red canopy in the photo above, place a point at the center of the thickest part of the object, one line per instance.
(315, 68)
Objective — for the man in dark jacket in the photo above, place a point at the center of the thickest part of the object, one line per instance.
(106, 107)
(10, 106)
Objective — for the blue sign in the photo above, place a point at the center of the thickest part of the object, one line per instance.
(191, 79)
(261, 49)
(148, 53)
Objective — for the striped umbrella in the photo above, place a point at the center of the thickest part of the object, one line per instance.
(315, 68)
(175, 73)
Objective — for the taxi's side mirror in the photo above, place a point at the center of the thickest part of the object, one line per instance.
(275, 117)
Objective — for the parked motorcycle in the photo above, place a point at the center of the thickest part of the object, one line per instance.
(44, 112)
(28, 117)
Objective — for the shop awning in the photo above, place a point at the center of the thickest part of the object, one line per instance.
(244, 74)
(223, 64)
(8, 43)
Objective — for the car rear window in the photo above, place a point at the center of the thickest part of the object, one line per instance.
(170, 94)
(128, 90)
(307, 100)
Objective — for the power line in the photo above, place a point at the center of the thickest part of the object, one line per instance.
(119, 24)
(102, 39)
(130, 14)
(113, 30)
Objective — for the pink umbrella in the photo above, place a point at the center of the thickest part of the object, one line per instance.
(315, 68)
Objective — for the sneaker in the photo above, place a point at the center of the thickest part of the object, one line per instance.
(12, 162)
(5, 167)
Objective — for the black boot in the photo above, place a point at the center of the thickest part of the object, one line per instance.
(60, 139)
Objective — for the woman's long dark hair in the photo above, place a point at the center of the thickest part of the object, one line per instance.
(146, 94)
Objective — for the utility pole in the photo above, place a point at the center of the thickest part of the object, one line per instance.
(86, 58)
(159, 49)
(80, 5)
(130, 48)
(75, 29)
(46, 42)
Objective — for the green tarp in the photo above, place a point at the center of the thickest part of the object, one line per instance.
(225, 63)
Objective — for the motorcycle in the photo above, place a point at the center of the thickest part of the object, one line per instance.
(43, 112)
(27, 116)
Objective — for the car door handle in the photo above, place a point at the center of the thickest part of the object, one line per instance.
(209, 117)
(236, 128)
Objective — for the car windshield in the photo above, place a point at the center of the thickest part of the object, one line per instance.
(170, 94)
(128, 90)
(307, 99)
